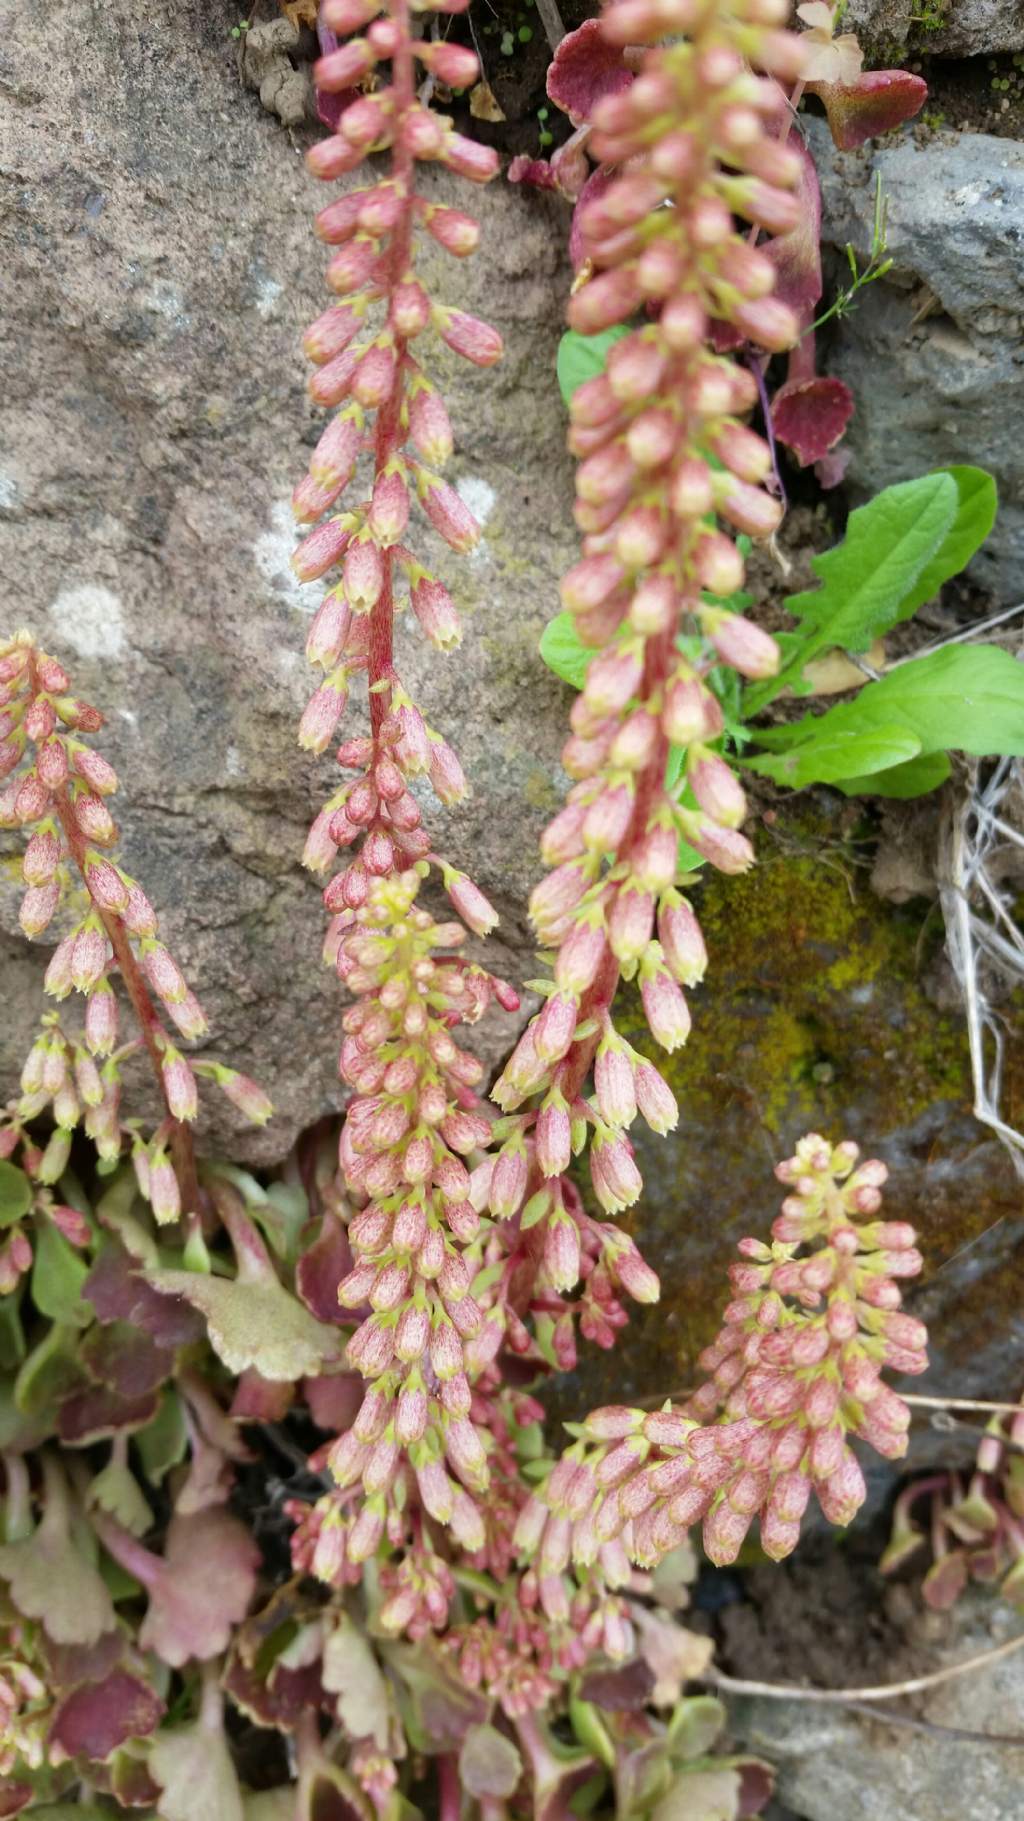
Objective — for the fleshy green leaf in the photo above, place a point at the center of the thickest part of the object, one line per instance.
(351, 1672)
(967, 698)
(701, 1795)
(489, 1764)
(897, 552)
(58, 1273)
(15, 1193)
(256, 1324)
(582, 357)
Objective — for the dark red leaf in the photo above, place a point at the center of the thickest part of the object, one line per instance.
(258, 1400)
(757, 1782)
(125, 1359)
(118, 1294)
(810, 415)
(97, 1413)
(93, 1721)
(14, 1798)
(585, 68)
(627, 1688)
(320, 1271)
(874, 104)
(334, 1400)
(596, 185)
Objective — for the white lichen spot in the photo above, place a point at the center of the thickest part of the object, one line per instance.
(477, 494)
(272, 552)
(89, 619)
(127, 715)
(267, 293)
(233, 762)
(8, 492)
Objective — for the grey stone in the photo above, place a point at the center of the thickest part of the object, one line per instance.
(834, 1765)
(158, 269)
(933, 352)
(941, 28)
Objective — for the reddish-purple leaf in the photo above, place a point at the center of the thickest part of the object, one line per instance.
(92, 1721)
(831, 469)
(201, 1589)
(585, 68)
(282, 1698)
(14, 1798)
(875, 103)
(118, 1294)
(320, 1271)
(334, 1399)
(96, 1413)
(757, 1782)
(810, 415)
(945, 1581)
(626, 1688)
(797, 256)
(125, 1359)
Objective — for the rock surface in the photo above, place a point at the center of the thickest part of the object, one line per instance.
(159, 268)
(834, 1765)
(941, 28)
(933, 351)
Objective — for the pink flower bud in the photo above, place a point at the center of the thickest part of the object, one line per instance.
(320, 550)
(467, 335)
(455, 232)
(555, 1027)
(449, 516)
(655, 1099)
(101, 1019)
(343, 68)
(94, 819)
(726, 849)
(635, 1276)
(163, 973)
(435, 611)
(446, 774)
(665, 1009)
(690, 712)
(352, 267)
(614, 678)
(89, 957)
(613, 1082)
(467, 158)
(107, 887)
(616, 1179)
(164, 1194)
(41, 857)
(246, 1095)
(389, 509)
(682, 942)
(374, 379)
(180, 1087)
(743, 645)
(717, 790)
(332, 383)
(436, 1490)
(37, 907)
(188, 1015)
(331, 334)
(553, 1138)
(474, 909)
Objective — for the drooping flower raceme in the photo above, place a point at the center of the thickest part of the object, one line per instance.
(59, 788)
(663, 456)
(414, 1116)
(795, 1372)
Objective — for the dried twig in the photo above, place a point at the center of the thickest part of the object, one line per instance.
(973, 904)
(883, 1691)
(551, 19)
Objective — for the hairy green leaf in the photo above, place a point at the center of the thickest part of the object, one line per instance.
(914, 778)
(897, 552)
(967, 698)
(583, 357)
(564, 652)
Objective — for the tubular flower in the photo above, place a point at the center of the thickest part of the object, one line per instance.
(795, 1372)
(663, 457)
(58, 787)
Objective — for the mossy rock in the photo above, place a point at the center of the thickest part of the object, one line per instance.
(814, 1016)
